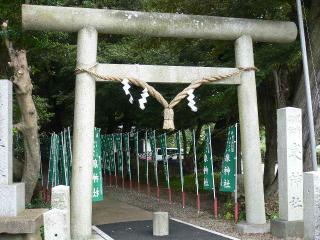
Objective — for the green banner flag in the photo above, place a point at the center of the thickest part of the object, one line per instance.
(60, 159)
(146, 154)
(178, 144)
(54, 173)
(228, 171)
(64, 164)
(208, 178)
(118, 142)
(163, 146)
(195, 160)
(111, 165)
(97, 188)
(69, 151)
(104, 153)
(136, 147)
(152, 140)
(126, 139)
(51, 162)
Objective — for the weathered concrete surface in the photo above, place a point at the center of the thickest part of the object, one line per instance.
(60, 199)
(49, 18)
(289, 140)
(247, 228)
(166, 74)
(289, 132)
(27, 236)
(287, 229)
(250, 138)
(111, 211)
(84, 112)
(55, 225)
(160, 224)
(12, 199)
(5, 132)
(28, 221)
(96, 236)
(311, 211)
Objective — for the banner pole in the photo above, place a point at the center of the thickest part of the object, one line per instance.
(147, 163)
(196, 169)
(110, 151)
(181, 169)
(215, 200)
(137, 158)
(49, 170)
(70, 154)
(122, 175)
(128, 158)
(107, 161)
(156, 163)
(65, 163)
(168, 174)
(54, 151)
(236, 209)
(104, 159)
(115, 163)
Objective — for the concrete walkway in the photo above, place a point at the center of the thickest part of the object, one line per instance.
(113, 211)
(116, 217)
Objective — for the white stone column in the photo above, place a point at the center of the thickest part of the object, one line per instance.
(289, 134)
(311, 197)
(12, 195)
(249, 128)
(160, 224)
(290, 175)
(5, 132)
(60, 199)
(54, 225)
(83, 136)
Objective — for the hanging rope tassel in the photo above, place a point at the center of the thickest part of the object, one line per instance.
(168, 122)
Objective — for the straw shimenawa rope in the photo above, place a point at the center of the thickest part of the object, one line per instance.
(168, 123)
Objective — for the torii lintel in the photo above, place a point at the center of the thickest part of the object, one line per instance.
(70, 19)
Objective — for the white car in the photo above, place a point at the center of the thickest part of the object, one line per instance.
(172, 154)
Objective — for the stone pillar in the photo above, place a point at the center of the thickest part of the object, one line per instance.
(12, 195)
(250, 139)
(60, 199)
(311, 212)
(5, 132)
(160, 224)
(54, 225)
(290, 174)
(84, 111)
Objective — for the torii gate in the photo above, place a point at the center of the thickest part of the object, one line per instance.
(88, 22)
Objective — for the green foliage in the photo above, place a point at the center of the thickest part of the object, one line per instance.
(189, 182)
(52, 59)
(38, 202)
(228, 209)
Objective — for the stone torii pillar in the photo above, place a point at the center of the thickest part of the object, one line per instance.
(87, 22)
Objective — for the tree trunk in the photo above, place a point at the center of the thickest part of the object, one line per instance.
(29, 117)
(268, 115)
(300, 97)
(273, 94)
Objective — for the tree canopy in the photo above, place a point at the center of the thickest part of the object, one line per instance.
(52, 59)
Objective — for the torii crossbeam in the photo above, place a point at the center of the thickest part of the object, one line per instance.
(88, 22)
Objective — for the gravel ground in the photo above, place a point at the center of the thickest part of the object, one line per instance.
(188, 214)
